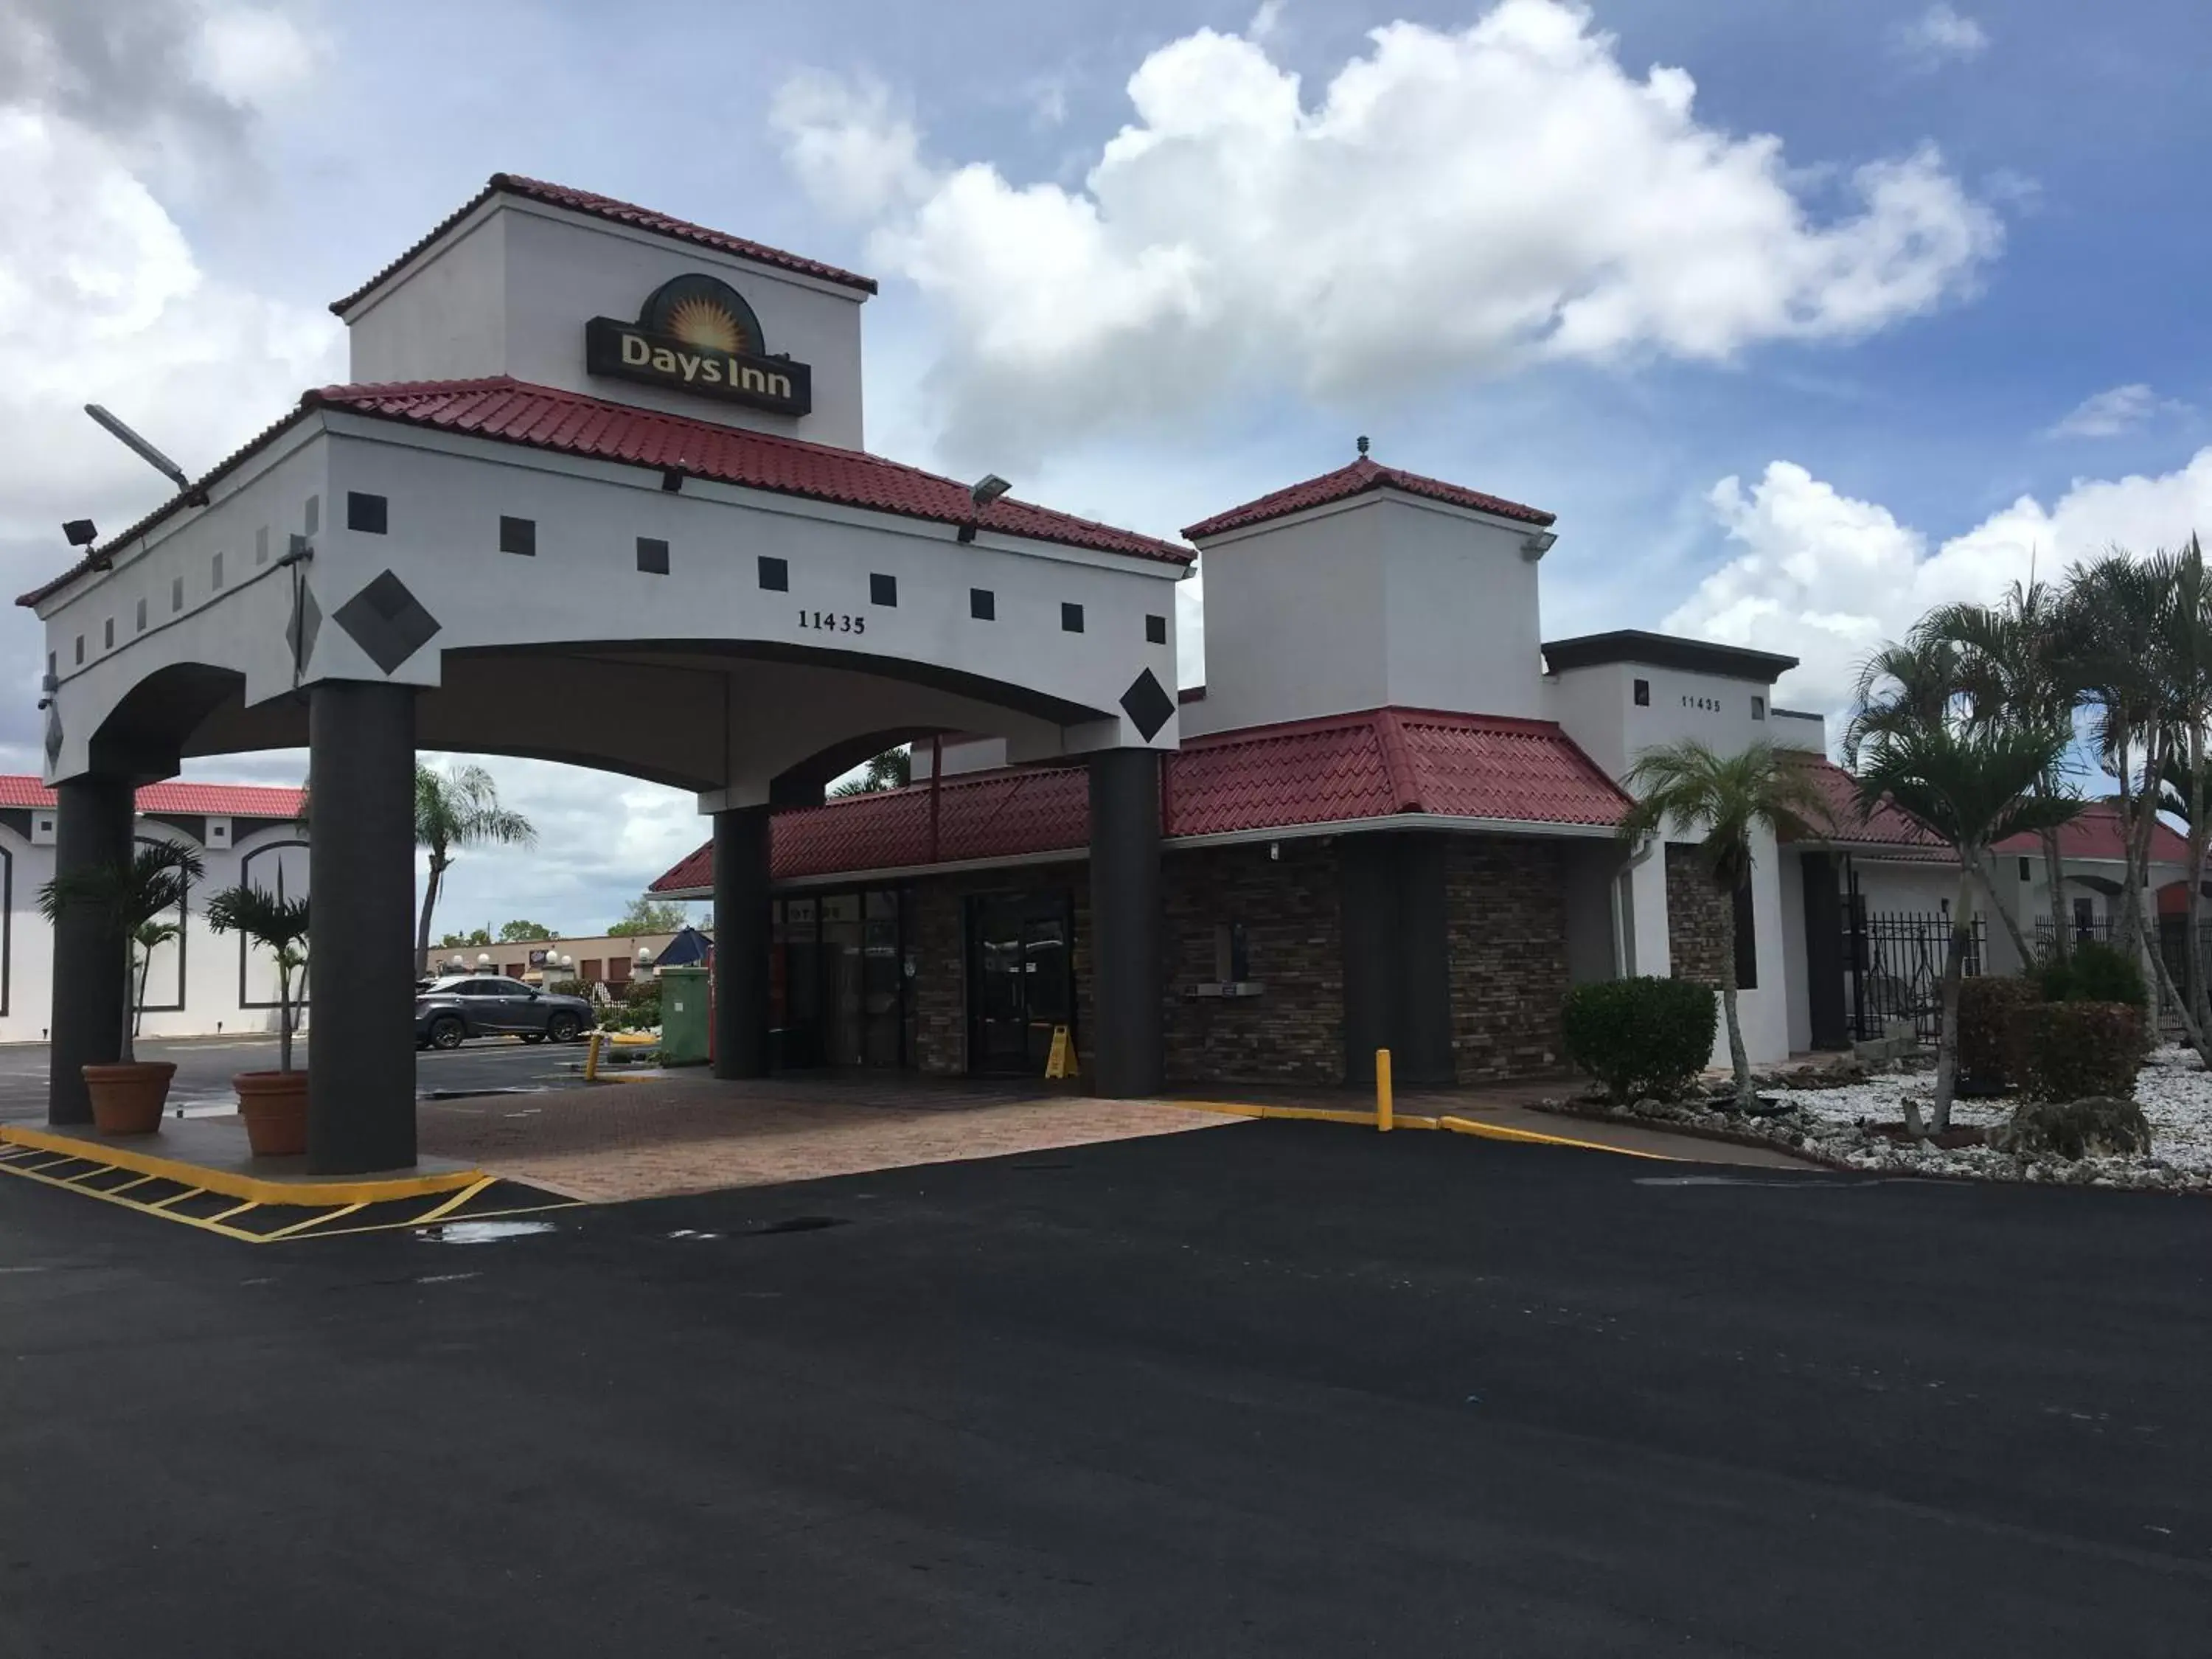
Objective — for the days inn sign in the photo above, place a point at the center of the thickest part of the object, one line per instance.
(696, 334)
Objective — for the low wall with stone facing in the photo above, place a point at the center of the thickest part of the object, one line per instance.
(1698, 916)
(1506, 911)
(1290, 907)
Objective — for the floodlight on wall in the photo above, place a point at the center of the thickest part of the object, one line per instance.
(1537, 543)
(146, 452)
(81, 532)
(985, 490)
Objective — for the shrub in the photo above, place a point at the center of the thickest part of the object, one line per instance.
(1991, 1030)
(569, 987)
(2095, 972)
(2101, 1127)
(1641, 1037)
(2078, 1050)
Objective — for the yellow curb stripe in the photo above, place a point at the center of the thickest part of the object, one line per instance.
(288, 1230)
(453, 1203)
(142, 1209)
(318, 1194)
(1530, 1137)
(1310, 1113)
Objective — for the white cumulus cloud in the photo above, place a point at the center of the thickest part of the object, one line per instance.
(1938, 36)
(2109, 413)
(1449, 202)
(1826, 578)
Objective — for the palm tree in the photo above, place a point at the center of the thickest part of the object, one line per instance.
(892, 770)
(1971, 784)
(274, 920)
(453, 810)
(125, 896)
(2182, 783)
(2016, 659)
(2121, 608)
(148, 937)
(1733, 797)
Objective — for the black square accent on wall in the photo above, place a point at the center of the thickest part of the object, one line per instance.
(176, 594)
(983, 604)
(774, 573)
(516, 536)
(1070, 619)
(883, 590)
(366, 512)
(107, 634)
(261, 545)
(1643, 694)
(142, 616)
(1156, 631)
(652, 556)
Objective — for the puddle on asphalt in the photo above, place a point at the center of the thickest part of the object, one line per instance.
(480, 1233)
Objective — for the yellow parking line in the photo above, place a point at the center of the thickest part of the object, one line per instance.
(174, 1197)
(142, 1209)
(128, 1185)
(312, 1221)
(453, 1203)
(237, 1209)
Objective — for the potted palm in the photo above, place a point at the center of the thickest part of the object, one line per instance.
(127, 1096)
(273, 1103)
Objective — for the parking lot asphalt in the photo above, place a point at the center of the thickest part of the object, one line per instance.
(1287, 1390)
(206, 1065)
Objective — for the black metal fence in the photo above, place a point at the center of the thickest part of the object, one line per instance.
(1893, 968)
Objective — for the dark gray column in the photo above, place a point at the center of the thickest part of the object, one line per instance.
(741, 942)
(1825, 948)
(361, 871)
(92, 826)
(1126, 1045)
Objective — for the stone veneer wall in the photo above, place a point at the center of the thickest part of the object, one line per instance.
(1506, 920)
(1698, 917)
(1294, 1030)
(936, 935)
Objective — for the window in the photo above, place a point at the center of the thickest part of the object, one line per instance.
(1747, 942)
(314, 515)
(215, 571)
(1232, 956)
(176, 594)
(774, 574)
(142, 616)
(1070, 619)
(107, 634)
(883, 590)
(1156, 631)
(518, 536)
(1758, 708)
(2027, 871)
(983, 604)
(364, 513)
(80, 647)
(588, 970)
(1643, 694)
(652, 556)
(2085, 918)
(261, 545)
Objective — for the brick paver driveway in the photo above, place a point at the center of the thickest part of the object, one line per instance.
(688, 1133)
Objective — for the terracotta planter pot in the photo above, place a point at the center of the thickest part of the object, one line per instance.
(127, 1100)
(274, 1107)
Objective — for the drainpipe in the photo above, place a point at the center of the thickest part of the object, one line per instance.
(1624, 902)
(936, 778)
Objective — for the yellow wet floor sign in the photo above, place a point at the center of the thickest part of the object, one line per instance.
(1061, 1062)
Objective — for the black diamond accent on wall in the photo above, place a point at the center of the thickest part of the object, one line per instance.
(306, 622)
(1147, 706)
(387, 621)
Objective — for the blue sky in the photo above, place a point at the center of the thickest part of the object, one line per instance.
(1835, 312)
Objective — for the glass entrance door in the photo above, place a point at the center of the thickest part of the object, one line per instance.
(1020, 981)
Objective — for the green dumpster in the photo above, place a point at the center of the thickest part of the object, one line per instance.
(683, 1021)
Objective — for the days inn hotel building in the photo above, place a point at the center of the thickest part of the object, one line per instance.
(597, 490)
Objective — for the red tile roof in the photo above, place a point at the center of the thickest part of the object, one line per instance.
(544, 417)
(1372, 765)
(2094, 835)
(622, 213)
(1362, 476)
(234, 801)
(570, 423)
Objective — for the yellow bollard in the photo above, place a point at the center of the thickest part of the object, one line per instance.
(1382, 1089)
(591, 1057)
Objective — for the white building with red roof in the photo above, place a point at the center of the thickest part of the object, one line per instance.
(194, 984)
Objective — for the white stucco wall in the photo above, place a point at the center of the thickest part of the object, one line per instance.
(195, 988)
(510, 291)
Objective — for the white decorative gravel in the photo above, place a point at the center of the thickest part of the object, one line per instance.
(2173, 1089)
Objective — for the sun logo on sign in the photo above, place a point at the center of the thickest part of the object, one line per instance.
(703, 312)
